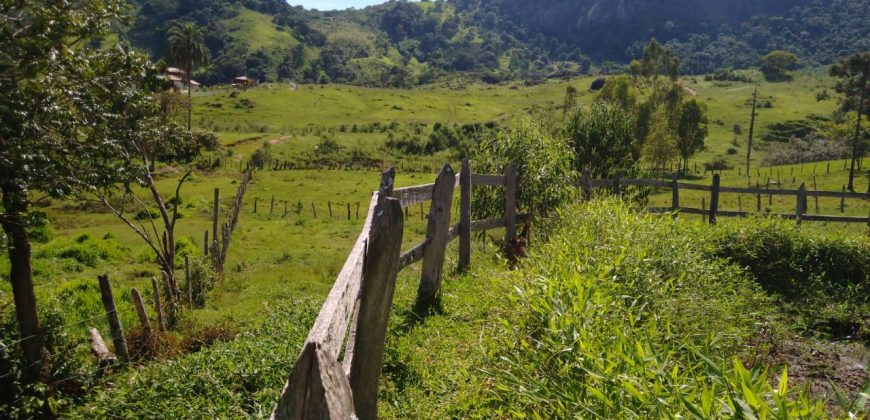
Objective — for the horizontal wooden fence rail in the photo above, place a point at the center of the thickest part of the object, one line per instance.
(586, 183)
(337, 372)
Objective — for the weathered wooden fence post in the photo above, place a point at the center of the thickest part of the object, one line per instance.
(329, 206)
(157, 306)
(256, 199)
(272, 205)
(800, 206)
(675, 193)
(380, 270)
(140, 311)
(436, 237)
(327, 393)
(348, 210)
(714, 199)
(816, 197)
(112, 314)
(843, 201)
(510, 210)
(215, 211)
(205, 243)
(465, 216)
(313, 210)
(758, 197)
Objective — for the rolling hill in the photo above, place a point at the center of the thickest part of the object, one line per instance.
(401, 44)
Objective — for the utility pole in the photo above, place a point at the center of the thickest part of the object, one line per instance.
(751, 129)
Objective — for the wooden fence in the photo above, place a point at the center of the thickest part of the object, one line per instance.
(337, 373)
(587, 184)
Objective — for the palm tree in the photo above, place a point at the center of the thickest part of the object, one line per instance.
(186, 44)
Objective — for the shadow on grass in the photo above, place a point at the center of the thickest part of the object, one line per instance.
(418, 314)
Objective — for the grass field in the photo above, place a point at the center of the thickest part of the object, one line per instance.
(279, 257)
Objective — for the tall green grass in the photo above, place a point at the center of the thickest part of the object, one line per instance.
(625, 315)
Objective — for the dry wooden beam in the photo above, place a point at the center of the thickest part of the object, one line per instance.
(414, 195)
(99, 349)
(436, 237)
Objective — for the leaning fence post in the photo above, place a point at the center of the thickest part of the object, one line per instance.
(140, 311)
(510, 210)
(675, 193)
(465, 216)
(714, 199)
(436, 236)
(157, 307)
(112, 314)
(380, 270)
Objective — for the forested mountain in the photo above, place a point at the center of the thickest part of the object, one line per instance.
(401, 43)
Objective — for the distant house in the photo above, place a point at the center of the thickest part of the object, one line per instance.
(244, 81)
(177, 77)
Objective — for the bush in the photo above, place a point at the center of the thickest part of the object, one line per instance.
(602, 138)
(621, 315)
(72, 368)
(543, 164)
(202, 280)
(827, 279)
(717, 164)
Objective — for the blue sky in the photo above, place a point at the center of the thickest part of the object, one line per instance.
(334, 4)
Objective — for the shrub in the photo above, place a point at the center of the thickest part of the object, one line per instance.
(542, 161)
(717, 164)
(828, 279)
(602, 138)
(202, 280)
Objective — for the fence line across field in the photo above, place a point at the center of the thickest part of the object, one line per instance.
(587, 184)
(337, 372)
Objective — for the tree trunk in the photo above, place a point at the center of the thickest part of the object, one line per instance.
(189, 100)
(21, 274)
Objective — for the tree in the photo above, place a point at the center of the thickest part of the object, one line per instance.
(854, 83)
(660, 146)
(59, 103)
(777, 65)
(570, 100)
(619, 91)
(186, 44)
(603, 139)
(658, 60)
(691, 130)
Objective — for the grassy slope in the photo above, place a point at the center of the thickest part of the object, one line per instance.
(518, 344)
(257, 30)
